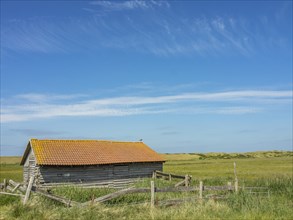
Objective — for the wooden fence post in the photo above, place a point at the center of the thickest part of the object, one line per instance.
(152, 194)
(170, 178)
(186, 180)
(236, 179)
(200, 189)
(5, 184)
(235, 170)
(28, 190)
(236, 186)
(154, 175)
(229, 186)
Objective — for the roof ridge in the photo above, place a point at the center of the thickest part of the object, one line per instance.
(85, 140)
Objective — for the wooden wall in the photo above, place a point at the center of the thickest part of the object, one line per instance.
(97, 173)
(29, 168)
(81, 174)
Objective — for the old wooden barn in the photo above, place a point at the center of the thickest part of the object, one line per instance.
(84, 161)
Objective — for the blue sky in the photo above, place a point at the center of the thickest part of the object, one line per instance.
(184, 76)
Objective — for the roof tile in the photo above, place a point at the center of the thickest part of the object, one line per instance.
(91, 152)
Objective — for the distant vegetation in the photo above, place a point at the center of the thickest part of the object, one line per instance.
(10, 160)
(203, 156)
(189, 156)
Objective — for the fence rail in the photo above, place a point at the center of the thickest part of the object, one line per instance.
(186, 178)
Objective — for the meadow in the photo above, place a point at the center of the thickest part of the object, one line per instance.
(270, 169)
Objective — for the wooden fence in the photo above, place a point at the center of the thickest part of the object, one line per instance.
(184, 185)
(20, 190)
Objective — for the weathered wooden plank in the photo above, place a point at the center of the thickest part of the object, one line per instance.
(16, 187)
(172, 175)
(11, 194)
(119, 193)
(93, 183)
(180, 183)
(21, 188)
(214, 188)
(103, 185)
(9, 188)
(177, 189)
(29, 187)
(99, 173)
(65, 201)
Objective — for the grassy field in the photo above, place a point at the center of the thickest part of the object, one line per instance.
(271, 169)
(10, 168)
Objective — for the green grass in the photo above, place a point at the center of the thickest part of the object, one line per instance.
(223, 168)
(11, 171)
(10, 168)
(271, 169)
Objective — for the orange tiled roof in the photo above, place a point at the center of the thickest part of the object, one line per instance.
(90, 152)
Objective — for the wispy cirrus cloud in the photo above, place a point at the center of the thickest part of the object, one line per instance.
(229, 102)
(155, 29)
(129, 5)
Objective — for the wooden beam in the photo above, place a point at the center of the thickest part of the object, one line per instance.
(178, 189)
(180, 183)
(65, 201)
(167, 175)
(119, 193)
(28, 190)
(21, 188)
(16, 187)
(9, 188)
(11, 194)
(215, 188)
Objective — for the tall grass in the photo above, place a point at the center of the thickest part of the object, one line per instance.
(273, 173)
(244, 205)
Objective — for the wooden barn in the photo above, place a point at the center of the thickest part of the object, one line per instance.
(85, 161)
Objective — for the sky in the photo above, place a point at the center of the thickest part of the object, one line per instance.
(184, 76)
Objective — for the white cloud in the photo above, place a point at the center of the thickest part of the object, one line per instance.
(34, 97)
(239, 102)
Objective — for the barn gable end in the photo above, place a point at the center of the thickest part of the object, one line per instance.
(30, 167)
